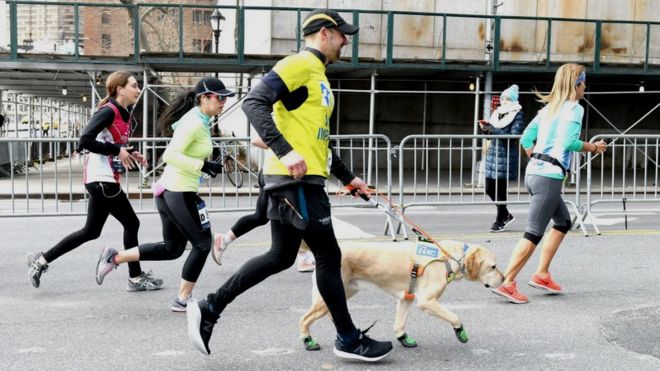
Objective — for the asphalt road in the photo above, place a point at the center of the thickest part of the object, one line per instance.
(607, 319)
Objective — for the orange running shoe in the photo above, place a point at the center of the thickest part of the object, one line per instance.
(546, 284)
(510, 292)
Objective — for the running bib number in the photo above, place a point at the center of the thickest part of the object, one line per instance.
(203, 216)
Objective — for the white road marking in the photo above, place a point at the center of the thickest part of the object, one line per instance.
(345, 230)
(169, 353)
(607, 221)
(480, 351)
(32, 350)
(560, 355)
(273, 352)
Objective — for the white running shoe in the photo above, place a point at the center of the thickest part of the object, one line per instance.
(306, 262)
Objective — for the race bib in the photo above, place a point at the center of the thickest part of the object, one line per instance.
(203, 216)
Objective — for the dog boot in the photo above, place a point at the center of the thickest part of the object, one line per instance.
(407, 341)
(461, 334)
(311, 344)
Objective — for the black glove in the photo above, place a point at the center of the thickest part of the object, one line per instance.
(211, 168)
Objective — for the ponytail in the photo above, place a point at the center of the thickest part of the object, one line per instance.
(103, 101)
(183, 103)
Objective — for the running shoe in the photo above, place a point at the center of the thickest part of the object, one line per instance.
(498, 226)
(105, 264)
(146, 283)
(306, 262)
(363, 348)
(201, 320)
(547, 283)
(179, 305)
(35, 268)
(218, 248)
(508, 220)
(510, 292)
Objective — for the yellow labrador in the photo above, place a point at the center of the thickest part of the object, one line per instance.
(390, 269)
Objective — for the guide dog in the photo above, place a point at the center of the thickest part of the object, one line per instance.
(390, 269)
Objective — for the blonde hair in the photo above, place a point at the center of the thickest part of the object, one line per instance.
(564, 88)
(115, 80)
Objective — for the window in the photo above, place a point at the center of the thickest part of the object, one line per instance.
(106, 42)
(201, 16)
(105, 18)
(201, 45)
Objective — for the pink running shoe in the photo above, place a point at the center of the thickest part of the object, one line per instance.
(546, 284)
(219, 247)
(510, 292)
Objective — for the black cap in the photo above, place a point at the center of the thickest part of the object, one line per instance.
(319, 18)
(212, 85)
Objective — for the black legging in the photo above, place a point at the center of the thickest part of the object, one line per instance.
(258, 218)
(282, 254)
(180, 218)
(104, 199)
(498, 194)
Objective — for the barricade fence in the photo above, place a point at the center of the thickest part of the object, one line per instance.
(43, 176)
(435, 170)
(627, 172)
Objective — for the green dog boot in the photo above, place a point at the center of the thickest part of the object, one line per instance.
(407, 341)
(311, 344)
(461, 334)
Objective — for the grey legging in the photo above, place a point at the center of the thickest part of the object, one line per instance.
(546, 203)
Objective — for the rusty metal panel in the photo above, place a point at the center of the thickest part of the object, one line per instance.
(520, 40)
(412, 30)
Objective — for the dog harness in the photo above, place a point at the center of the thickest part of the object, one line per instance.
(426, 253)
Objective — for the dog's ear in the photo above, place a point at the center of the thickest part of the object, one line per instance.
(472, 264)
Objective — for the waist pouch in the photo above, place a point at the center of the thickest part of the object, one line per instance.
(301, 205)
(550, 159)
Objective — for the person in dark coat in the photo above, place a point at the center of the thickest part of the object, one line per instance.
(502, 157)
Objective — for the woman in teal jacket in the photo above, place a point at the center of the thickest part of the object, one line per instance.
(182, 212)
(549, 140)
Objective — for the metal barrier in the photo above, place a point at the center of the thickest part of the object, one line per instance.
(440, 161)
(43, 176)
(627, 172)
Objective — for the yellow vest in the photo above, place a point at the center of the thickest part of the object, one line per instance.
(306, 127)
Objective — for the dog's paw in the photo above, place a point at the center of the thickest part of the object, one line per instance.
(461, 334)
(311, 344)
(407, 341)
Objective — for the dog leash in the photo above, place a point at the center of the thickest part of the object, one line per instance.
(394, 212)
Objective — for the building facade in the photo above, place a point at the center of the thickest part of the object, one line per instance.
(109, 30)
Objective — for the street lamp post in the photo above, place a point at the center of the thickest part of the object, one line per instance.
(217, 22)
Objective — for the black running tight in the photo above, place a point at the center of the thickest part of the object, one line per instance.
(252, 221)
(104, 199)
(181, 223)
(282, 254)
